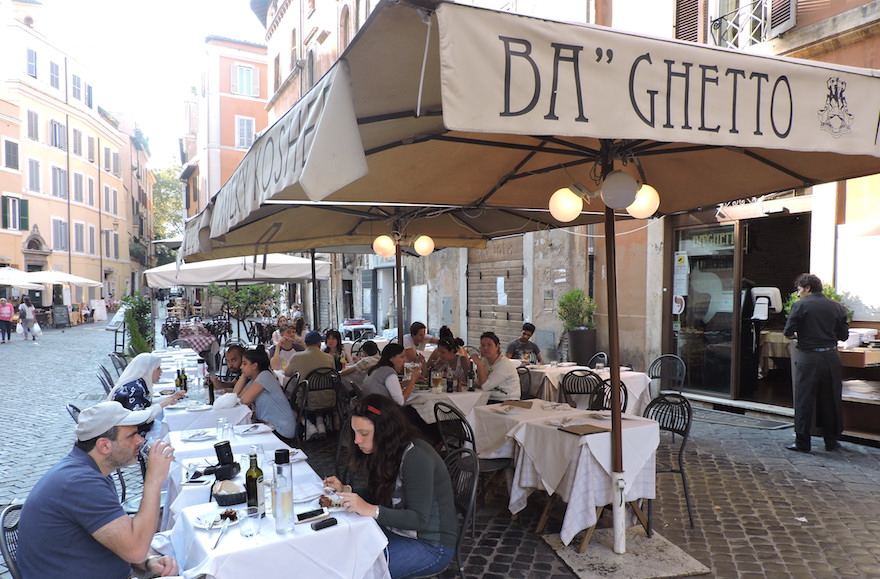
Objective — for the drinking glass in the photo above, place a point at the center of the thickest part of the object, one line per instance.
(600, 366)
(436, 380)
(222, 428)
(250, 520)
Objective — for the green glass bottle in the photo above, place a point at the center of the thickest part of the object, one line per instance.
(253, 484)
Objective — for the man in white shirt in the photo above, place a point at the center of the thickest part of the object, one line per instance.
(414, 343)
(495, 372)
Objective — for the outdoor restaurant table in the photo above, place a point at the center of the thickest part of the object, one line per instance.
(380, 343)
(492, 423)
(183, 419)
(353, 548)
(578, 468)
(550, 376)
(198, 335)
(241, 444)
(423, 402)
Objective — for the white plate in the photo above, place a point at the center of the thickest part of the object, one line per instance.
(206, 520)
(184, 405)
(199, 408)
(307, 493)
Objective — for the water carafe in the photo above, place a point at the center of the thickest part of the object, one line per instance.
(282, 495)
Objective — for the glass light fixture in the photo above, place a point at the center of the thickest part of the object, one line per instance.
(619, 190)
(423, 245)
(384, 246)
(646, 204)
(565, 205)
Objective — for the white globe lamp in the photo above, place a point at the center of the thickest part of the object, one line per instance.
(619, 190)
(565, 205)
(423, 245)
(646, 204)
(384, 246)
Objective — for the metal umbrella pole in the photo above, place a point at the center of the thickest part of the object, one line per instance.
(314, 293)
(398, 279)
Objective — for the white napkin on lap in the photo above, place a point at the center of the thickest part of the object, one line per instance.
(228, 400)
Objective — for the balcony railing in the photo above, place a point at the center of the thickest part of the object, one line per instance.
(742, 27)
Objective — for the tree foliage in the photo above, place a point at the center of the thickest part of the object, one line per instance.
(244, 301)
(575, 309)
(137, 322)
(168, 203)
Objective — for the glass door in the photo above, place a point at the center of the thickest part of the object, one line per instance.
(703, 305)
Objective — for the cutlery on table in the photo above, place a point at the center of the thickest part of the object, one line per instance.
(223, 529)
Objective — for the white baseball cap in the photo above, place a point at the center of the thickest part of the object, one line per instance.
(103, 416)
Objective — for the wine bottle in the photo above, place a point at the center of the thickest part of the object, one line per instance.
(184, 381)
(177, 382)
(253, 484)
(471, 376)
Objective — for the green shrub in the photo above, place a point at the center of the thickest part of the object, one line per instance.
(576, 310)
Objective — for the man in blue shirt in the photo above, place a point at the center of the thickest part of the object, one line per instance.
(72, 524)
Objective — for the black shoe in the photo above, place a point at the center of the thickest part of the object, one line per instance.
(832, 446)
(794, 446)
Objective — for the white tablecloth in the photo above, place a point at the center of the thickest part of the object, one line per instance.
(636, 384)
(423, 402)
(491, 424)
(181, 419)
(352, 548)
(241, 444)
(558, 462)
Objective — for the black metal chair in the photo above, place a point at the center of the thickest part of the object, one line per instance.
(120, 478)
(667, 372)
(119, 362)
(674, 414)
(106, 374)
(74, 412)
(9, 540)
(601, 399)
(318, 396)
(472, 351)
(461, 466)
(290, 384)
(598, 357)
(181, 343)
(456, 433)
(106, 384)
(525, 384)
(579, 383)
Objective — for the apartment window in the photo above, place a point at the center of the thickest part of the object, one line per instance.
(15, 213)
(106, 236)
(107, 159)
(58, 135)
(116, 164)
(60, 233)
(79, 237)
(277, 70)
(245, 80)
(294, 49)
(10, 155)
(88, 95)
(76, 87)
(91, 149)
(54, 75)
(92, 239)
(33, 126)
(244, 132)
(310, 68)
(32, 62)
(106, 199)
(59, 182)
(311, 9)
(78, 187)
(115, 245)
(77, 142)
(115, 202)
(34, 175)
(91, 192)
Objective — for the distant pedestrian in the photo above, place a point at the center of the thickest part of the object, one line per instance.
(7, 310)
(818, 323)
(28, 315)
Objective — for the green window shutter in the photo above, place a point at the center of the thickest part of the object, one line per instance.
(5, 212)
(23, 223)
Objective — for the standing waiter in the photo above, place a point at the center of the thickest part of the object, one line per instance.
(818, 323)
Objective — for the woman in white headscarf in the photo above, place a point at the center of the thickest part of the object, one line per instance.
(134, 391)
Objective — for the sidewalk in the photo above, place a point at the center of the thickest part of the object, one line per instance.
(760, 510)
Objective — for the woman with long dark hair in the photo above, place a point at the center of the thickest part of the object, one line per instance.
(334, 347)
(408, 489)
(259, 386)
(383, 377)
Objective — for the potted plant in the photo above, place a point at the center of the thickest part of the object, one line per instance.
(575, 308)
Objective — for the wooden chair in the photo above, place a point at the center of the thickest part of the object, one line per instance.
(9, 540)
(667, 372)
(674, 414)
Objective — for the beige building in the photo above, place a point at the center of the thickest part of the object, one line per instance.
(68, 177)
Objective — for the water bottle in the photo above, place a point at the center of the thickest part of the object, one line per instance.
(282, 495)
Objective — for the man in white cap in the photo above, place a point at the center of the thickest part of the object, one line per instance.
(72, 524)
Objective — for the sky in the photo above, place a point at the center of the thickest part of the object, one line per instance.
(144, 55)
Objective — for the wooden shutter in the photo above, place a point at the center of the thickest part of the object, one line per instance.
(502, 258)
(5, 201)
(690, 17)
(255, 82)
(783, 15)
(233, 79)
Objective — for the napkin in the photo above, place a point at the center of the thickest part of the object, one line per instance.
(505, 409)
(258, 428)
(228, 400)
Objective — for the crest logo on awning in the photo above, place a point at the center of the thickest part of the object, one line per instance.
(834, 117)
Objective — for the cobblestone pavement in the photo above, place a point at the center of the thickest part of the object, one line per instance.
(760, 510)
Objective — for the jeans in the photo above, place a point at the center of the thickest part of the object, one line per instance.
(5, 330)
(412, 557)
(28, 325)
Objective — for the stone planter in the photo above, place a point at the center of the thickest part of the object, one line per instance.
(581, 345)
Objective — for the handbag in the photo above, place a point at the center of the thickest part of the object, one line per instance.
(19, 329)
(38, 331)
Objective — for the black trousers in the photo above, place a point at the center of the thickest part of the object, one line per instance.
(818, 386)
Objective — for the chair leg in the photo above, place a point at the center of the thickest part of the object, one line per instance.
(687, 497)
(545, 514)
(589, 534)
